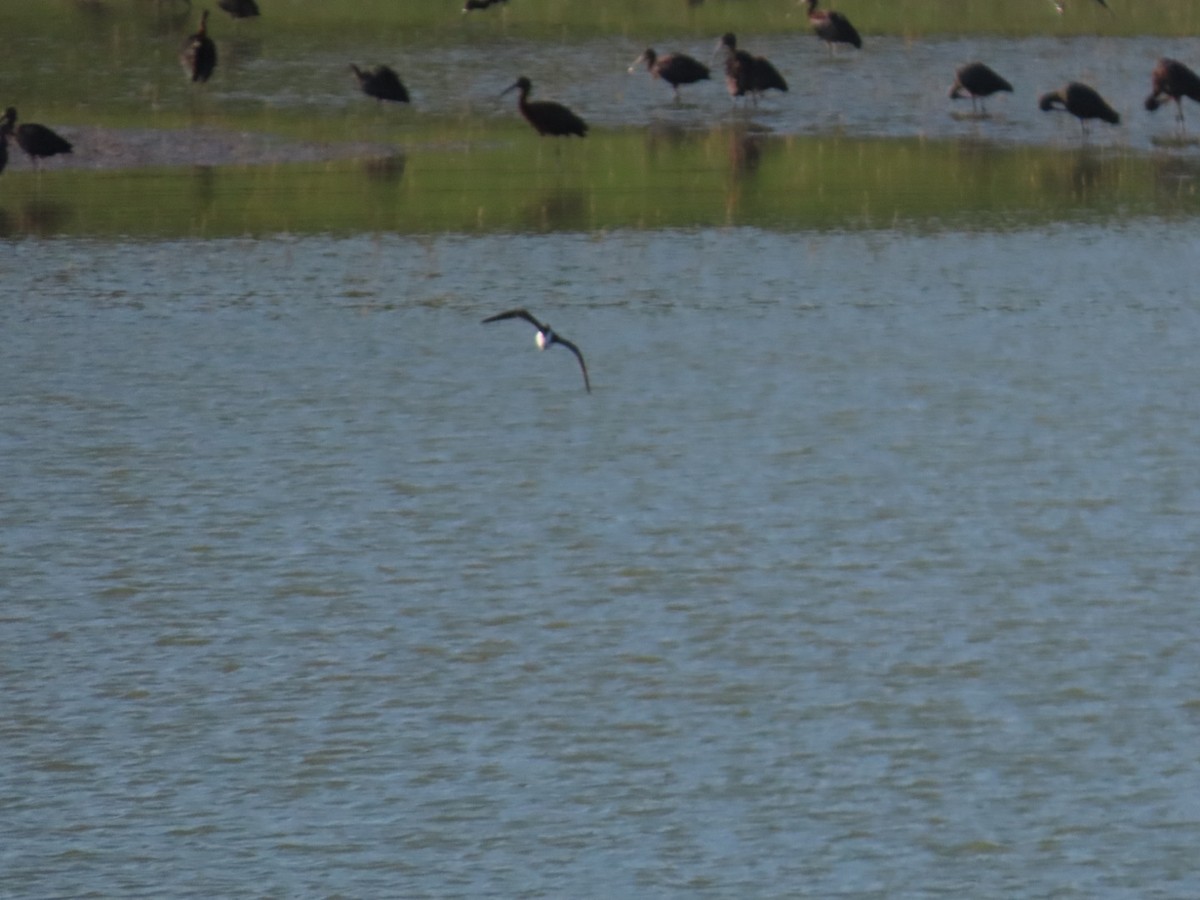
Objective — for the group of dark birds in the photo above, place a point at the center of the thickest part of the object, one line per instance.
(746, 75)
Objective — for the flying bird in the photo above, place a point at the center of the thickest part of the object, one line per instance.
(36, 140)
(977, 80)
(1172, 80)
(546, 116)
(199, 56)
(469, 5)
(832, 27)
(673, 68)
(1082, 102)
(546, 336)
(382, 83)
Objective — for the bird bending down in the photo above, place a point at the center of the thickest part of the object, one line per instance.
(977, 80)
(546, 116)
(674, 68)
(36, 140)
(1172, 80)
(832, 27)
(382, 83)
(746, 74)
(1080, 101)
(546, 336)
(239, 9)
(199, 56)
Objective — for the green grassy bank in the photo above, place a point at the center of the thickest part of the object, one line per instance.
(423, 20)
(507, 181)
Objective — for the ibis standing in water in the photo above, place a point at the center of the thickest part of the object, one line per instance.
(977, 81)
(674, 68)
(1172, 80)
(1081, 101)
(382, 83)
(546, 337)
(546, 116)
(832, 27)
(37, 141)
(747, 74)
(199, 56)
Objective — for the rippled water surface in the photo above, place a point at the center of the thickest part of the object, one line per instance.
(868, 569)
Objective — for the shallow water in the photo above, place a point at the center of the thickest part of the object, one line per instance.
(868, 569)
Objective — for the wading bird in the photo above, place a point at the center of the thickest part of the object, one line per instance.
(239, 9)
(199, 56)
(977, 80)
(1080, 101)
(37, 141)
(1172, 80)
(674, 68)
(381, 83)
(546, 116)
(546, 337)
(832, 27)
(746, 74)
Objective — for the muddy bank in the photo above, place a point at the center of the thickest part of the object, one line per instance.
(135, 148)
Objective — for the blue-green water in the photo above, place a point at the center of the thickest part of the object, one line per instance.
(868, 569)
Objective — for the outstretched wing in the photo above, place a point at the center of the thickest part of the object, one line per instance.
(579, 356)
(516, 314)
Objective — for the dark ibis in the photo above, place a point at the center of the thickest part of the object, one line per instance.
(1172, 80)
(747, 74)
(381, 82)
(37, 141)
(546, 337)
(977, 81)
(832, 27)
(239, 9)
(199, 56)
(546, 116)
(673, 68)
(1080, 101)
(470, 5)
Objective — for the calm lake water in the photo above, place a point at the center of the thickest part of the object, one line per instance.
(868, 569)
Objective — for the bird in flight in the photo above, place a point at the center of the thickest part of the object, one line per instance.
(546, 336)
